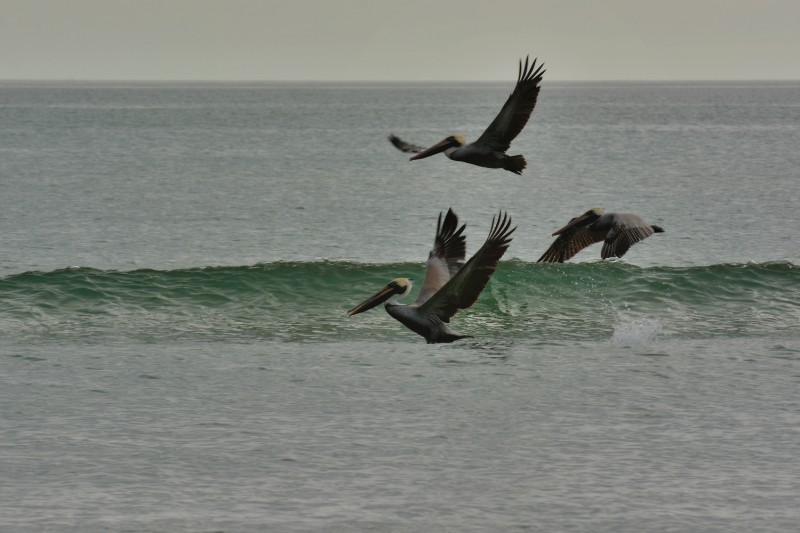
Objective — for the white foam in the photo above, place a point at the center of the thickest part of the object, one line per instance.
(636, 332)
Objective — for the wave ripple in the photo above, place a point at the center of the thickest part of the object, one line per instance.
(300, 301)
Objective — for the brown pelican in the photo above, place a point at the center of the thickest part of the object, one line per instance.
(448, 286)
(620, 231)
(490, 149)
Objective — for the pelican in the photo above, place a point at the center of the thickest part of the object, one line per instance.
(448, 286)
(620, 231)
(490, 149)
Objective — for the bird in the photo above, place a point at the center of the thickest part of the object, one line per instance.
(449, 283)
(620, 231)
(489, 150)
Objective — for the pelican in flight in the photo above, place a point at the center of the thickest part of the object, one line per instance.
(448, 286)
(490, 149)
(620, 231)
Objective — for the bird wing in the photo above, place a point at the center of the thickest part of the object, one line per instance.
(446, 256)
(570, 243)
(403, 146)
(467, 284)
(516, 111)
(627, 230)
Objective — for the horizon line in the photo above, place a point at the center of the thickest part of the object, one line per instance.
(201, 80)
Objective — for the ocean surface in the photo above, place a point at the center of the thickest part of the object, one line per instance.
(177, 260)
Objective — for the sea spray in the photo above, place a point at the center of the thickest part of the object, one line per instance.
(636, 332)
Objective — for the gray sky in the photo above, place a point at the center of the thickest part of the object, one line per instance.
(398, 40)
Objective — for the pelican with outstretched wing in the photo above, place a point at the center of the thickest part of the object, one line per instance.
(490, 149)
(448, 286)
(619, 231)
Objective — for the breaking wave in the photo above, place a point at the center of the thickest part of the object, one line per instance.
(306, 301)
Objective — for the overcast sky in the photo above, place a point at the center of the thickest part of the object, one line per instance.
(398, 40)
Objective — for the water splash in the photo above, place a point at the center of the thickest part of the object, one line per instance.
(637, 332)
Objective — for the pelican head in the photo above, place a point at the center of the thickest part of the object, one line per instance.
(446, 146)
(584, 220)
(396, 289)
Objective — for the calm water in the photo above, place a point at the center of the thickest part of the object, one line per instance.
(176, 261)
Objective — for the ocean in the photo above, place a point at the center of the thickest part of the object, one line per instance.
(177, 260)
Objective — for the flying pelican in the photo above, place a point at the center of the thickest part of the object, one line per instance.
(620, 231)
(448, 286)
(490, 149)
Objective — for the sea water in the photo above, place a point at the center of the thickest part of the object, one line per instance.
(177, 260)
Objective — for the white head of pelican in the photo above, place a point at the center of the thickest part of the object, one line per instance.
(393, 291)
(448, 146)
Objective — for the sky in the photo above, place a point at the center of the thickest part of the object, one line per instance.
(408, 40)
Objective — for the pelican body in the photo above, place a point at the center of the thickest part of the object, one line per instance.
(457, 148)
(618, 231)
(433, 328)
(449, 283)
(489, 151)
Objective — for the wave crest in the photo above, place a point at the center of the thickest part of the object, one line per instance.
(308, 300)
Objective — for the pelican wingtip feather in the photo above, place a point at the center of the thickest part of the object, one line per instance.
(530, 74)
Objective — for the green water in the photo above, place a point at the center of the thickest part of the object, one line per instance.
(307, 302)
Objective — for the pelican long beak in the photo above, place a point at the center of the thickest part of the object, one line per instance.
(436, 149)
(374, 300)
(583, 220)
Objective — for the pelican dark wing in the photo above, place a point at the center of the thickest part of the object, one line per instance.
(570, 243)
(403, 146)
(516, 111)
(446, 257)
(618, 232)
(466, 285)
